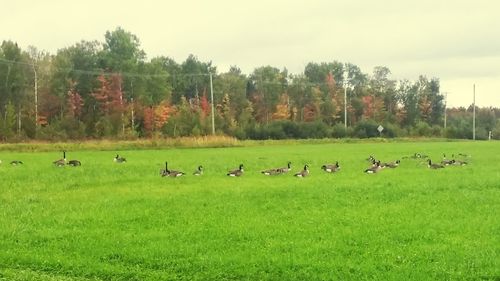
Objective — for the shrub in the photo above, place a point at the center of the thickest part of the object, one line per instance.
(316, 130)
(496, 132)
(436, 131)
(366, 129)
(422, 129)
(339, 131)
(390, 130)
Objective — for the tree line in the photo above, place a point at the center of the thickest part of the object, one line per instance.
(110, 90)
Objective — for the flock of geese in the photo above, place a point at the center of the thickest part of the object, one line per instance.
(376, 166)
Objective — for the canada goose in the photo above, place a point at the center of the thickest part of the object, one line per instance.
(331, 168)
(277, 171)
(447, 162)
(61, 162)
(394, 164)
(74, 163)
(370, 159)
(459, 163)
(165, 172)
(119, 159)
(416, 155)
(199, 171)
(170, 173)
(271, 172)
(16, 162)
(236, 173)
(434, 166)
(287, 168)
(374, 169)
(303, 173)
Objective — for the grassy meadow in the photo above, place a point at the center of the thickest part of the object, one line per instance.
(109, 221)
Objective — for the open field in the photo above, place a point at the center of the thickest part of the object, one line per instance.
(109, 221)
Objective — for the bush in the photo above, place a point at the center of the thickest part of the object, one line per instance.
(74, 128)
(422, 129)
(450, 132)
(275, 131)
(366, 129)
(339, 131)
(390, 131)
(285, 129)
(52, 132)
(496, 132)
(481, 133)
(103, 128)
(436, 131)
(315, 130)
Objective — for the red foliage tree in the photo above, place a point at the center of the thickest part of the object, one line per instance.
(148, 120)
(373, 108)
(282, 109)
(74, 101)
(109, 95)
(161, 114)
(205, 106)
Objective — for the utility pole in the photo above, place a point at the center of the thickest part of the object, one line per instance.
(36, 97)
(346, 75)
(132, 121)
(212, 97)
(474, 112)
(445, 102)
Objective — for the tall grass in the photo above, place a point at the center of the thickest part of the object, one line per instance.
(188, 142)
(155, 143)
(108, 221)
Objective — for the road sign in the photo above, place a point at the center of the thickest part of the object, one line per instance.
(380, 129)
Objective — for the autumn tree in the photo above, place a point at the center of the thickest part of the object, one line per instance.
(74, 101)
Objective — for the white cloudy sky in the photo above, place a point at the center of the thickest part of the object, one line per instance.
(456, 41)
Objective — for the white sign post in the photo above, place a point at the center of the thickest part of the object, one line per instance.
(380, 129)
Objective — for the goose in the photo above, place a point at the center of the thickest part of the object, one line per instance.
(277, 171)
(74, 163)
(199, 171)
(271, 172)
(447, 162)
(375, 163)
(303, 173)
(61, 162)
(119, 159)
(16, 162)
(434, 166)
(165, 172)
(374, 169)
(331, 168)
(287, 168)
(394, 164)
(170, 173)
(459, 163)
(236, 173)
(417, 155)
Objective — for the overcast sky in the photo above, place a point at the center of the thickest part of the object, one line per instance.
(456, 41)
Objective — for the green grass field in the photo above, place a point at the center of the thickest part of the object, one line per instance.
(109, 221)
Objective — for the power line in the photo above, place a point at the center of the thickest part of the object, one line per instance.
(135, 75)
(102, 72)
